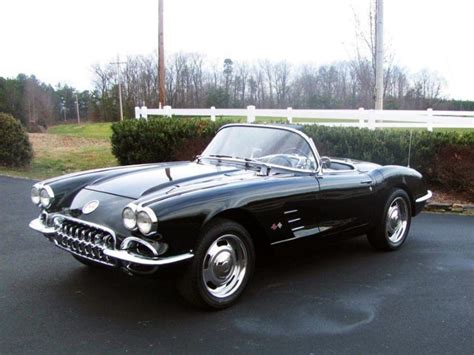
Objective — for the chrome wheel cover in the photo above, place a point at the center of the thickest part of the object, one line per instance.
(397, 220)
(224, 266)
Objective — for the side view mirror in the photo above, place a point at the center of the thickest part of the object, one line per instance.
(325, 162)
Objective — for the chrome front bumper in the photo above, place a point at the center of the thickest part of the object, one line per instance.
(108, 256)
(424, 198)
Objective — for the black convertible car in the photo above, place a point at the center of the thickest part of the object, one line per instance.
(253, 185)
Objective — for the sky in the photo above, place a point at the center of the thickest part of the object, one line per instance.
(59, 40)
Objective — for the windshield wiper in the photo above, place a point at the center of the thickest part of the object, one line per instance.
(264, 167)
(218, 156)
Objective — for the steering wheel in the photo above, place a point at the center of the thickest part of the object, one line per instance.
(295, 150)
(281, 157)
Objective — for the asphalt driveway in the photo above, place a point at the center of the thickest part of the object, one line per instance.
(308, 297)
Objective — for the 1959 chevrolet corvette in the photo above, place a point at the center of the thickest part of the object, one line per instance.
(252, 185)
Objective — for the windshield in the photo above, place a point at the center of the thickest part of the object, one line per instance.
(263, 144)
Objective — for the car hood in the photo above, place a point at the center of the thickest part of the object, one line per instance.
(168, 178)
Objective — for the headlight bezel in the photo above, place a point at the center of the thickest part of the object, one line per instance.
(153, 221)
(151, 224)
(50, 195)
(42, 195)
(35, 195)
(133, 209)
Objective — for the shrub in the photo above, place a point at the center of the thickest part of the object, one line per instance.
(161, 139)
(15, 148)
(442, 157)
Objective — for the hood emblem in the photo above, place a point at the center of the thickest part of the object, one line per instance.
(90, 207)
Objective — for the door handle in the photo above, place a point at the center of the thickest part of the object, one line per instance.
(366, 182)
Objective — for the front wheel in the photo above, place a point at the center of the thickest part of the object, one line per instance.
(392, 230)
(222, 265)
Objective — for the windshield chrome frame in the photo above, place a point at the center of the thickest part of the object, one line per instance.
(308, 140)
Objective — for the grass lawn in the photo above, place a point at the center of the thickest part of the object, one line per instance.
(88, 130)
(58, 154)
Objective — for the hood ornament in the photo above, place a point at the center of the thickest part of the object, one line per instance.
(90, 206)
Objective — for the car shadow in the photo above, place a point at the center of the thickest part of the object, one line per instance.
(108, 293)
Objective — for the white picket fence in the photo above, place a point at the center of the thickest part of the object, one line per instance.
(371, 119)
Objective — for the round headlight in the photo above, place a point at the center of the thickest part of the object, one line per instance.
(35, 195)
(146, 221)
(46, 196)
(129, 218)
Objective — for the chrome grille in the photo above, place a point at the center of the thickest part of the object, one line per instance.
(86, 240)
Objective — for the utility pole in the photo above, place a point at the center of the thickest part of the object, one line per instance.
(77, 111)
(63, 106)
(118, 62)
(161, 57)
(379, 55)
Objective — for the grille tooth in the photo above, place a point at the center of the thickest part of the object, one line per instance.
(85, 240)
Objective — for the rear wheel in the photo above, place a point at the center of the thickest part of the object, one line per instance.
(222, 265)
(392, 231)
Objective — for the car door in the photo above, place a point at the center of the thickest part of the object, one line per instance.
(344, 201)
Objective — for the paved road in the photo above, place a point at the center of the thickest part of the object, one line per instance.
(312, 298)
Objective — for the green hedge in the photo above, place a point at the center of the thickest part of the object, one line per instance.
(161, 139)
(15, 148)
(444, 158)
(439, 156)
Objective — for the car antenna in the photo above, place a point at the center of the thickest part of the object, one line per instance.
(409, 147)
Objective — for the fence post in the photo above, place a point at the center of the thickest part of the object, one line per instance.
(371, 120)
(289, 114)
(429, 121)
(213, 113)
(137, 112)
(361, 117)
(144, 112)
(250, 114)
(167, 111)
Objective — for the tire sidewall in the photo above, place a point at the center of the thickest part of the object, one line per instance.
(395, 194)
(208, 237)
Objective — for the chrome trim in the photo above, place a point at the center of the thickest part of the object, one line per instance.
(289, 129)
(294, 220)
(38, 225)
(329, 170)
(297, 228)
(127, 241)
(90, 206)
(134, 208)
(81, 255)
(152, 215)
(50, 193)
(287, 240)
(81, 221)
(290, 211)
(36, 186)
(268, 166)
(124, 255)
(428, 195)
